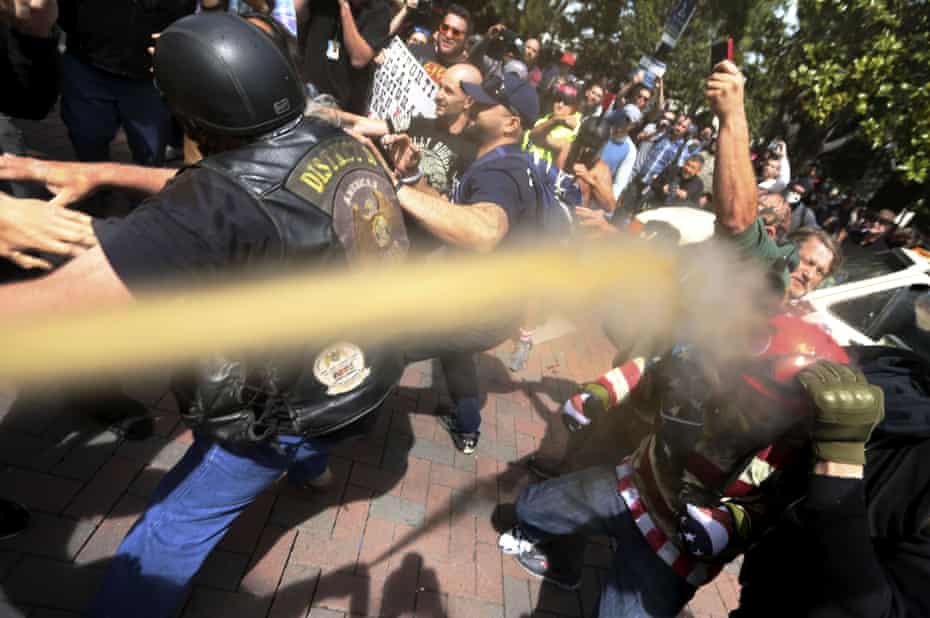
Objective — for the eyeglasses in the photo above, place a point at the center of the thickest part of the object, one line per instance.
(449, 31)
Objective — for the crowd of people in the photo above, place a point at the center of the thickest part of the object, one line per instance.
(801, 455)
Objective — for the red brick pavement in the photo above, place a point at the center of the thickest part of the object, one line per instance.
(405, 529)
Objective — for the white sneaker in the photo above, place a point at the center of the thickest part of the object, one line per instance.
(513, 542)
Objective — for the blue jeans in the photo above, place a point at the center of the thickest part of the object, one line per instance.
(586, 503)
(191, 510)
(95, 103)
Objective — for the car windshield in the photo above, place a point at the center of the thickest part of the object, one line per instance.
(868, 265)
(898, 317)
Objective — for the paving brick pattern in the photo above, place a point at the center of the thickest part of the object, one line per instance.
(408, 527)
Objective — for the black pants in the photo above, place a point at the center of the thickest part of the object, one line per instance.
(456, 353)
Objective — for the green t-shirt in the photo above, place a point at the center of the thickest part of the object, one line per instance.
(754, 242)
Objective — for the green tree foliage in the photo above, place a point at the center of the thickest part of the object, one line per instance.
(868, 62)
(851, 67)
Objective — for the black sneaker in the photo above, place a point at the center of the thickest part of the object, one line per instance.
(535, 561)
(14, 518)
(465, 442)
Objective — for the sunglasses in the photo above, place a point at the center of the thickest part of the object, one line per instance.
(449, 31)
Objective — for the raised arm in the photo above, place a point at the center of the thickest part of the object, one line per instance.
(360, 52)
(734, 180)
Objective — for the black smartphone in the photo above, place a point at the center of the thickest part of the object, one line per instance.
(720, 51)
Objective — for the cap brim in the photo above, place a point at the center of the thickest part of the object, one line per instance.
(476, 92)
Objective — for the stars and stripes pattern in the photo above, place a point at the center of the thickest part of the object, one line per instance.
(694, 572)
(574, 408)
(706, 532)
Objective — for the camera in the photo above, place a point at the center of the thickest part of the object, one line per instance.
(507, 41)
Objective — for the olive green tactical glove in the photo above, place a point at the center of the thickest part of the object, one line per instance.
(847, 410)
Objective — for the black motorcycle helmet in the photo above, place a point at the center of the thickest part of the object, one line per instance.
(224, 76)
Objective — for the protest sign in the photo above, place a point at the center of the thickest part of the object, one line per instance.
(677, 21)
(402, 88)
(652, 69)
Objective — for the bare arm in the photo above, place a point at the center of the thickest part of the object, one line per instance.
(370, 127)
(598, 178)
(479, 227)
(539, 132)
(87, 281)
(734, 180)
(398, 20)
(360, 52)
(71, 182)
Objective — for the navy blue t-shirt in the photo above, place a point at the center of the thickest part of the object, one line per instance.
(199, 227)
(506, 181)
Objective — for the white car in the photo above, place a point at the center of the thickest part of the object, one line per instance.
(881, 299)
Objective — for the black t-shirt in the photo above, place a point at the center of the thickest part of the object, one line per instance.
(507, 182)
(200, 226)
(444, 157)
(693, 186)
(434, 65)
(336, 76)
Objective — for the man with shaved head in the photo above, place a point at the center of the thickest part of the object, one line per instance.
(443, 152)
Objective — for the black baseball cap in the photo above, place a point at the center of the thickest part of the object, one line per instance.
(518, 95)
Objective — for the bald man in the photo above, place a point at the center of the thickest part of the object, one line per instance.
(444, 153)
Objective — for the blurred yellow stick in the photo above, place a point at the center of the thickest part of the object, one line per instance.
(358, 306)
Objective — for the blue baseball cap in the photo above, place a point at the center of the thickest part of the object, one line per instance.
(518, 95)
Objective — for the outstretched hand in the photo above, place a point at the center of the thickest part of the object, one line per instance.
(404, 153)
(69, 182)
(44, 226)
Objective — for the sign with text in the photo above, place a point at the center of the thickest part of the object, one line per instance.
(677, 21)
(402, 89)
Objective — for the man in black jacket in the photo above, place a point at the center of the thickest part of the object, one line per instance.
(106, 79)
(857, 543)
(29, 74)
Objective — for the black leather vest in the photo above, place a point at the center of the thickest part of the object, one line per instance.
(331, 203)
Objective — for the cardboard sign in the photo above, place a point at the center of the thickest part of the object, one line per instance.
(402, 89)
(677, 21)
(652, 69)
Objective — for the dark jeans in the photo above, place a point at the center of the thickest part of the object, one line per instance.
(587, 503)
(95, 103)
(456, 353)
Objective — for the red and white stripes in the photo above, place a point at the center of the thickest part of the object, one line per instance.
(619, 381)
(694, 572)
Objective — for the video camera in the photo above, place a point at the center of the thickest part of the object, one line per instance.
(506, 41)
(589, 141)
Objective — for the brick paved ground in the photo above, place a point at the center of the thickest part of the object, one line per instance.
(406, 529)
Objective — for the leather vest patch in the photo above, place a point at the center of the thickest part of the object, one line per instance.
(367, 218)
(315, 177)
(343, 178)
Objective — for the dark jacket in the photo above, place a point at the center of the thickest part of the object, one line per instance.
(112, 35)
(29, 72)
(858, 548)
